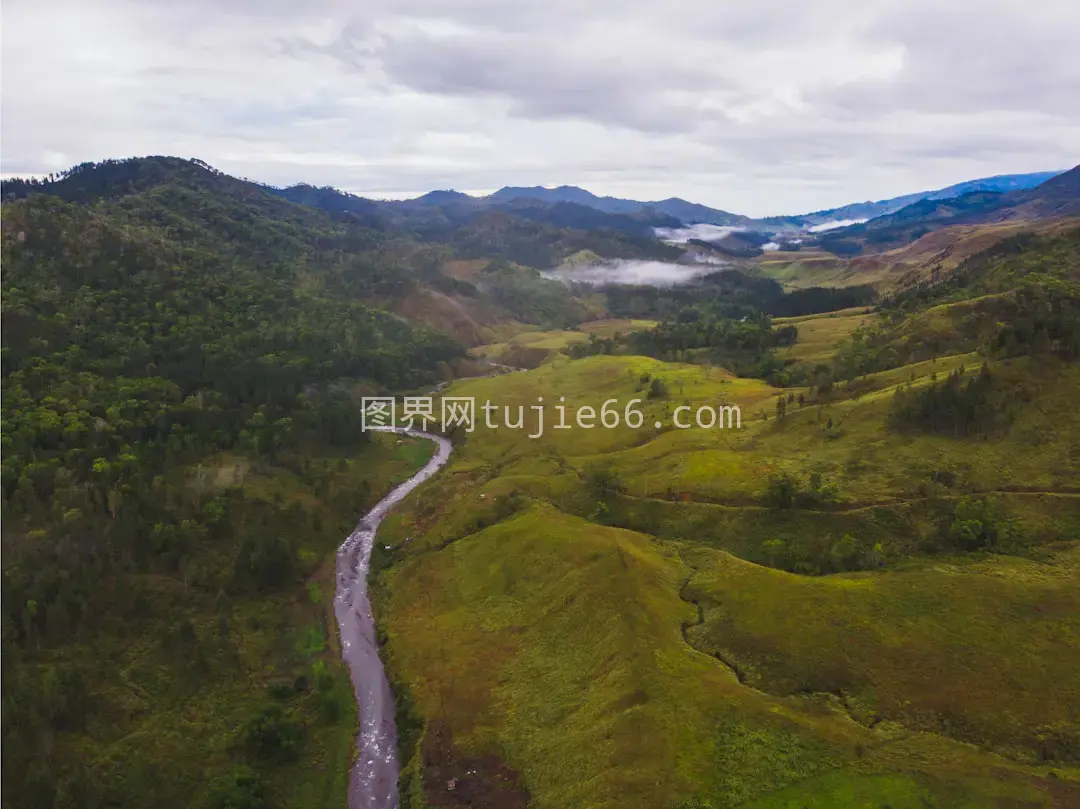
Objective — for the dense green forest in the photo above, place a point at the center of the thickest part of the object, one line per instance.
(162, 326)
(725, 319)
(730, 294)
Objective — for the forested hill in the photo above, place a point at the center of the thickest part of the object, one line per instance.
(162, 320)
(196, 279)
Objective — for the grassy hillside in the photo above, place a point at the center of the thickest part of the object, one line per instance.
(984, 627)
(549, 643)
(928, 258)
(532, 348)
(818, 335)
(847, 602)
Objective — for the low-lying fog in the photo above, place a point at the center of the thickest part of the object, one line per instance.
(647, 273)
(834, 224)
(706, 233)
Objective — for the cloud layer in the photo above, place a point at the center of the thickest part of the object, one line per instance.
(759, 108)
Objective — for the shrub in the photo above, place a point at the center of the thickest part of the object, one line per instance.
(977, 524)
(274, 734)
(241, 789)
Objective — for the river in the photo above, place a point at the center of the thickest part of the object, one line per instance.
(373, 779)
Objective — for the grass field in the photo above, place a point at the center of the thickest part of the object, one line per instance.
(809, 268)
(533, 348)
(931, 645)
(543, 643)
(820, 334)
(554, 647)
(941, 250)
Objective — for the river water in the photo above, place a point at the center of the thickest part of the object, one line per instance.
(373, 780)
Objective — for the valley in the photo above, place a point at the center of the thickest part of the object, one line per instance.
(865, 595)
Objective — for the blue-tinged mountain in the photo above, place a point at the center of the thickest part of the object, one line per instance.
(1057, 197)
(1000, 183)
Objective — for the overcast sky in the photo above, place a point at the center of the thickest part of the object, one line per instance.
(759, 107)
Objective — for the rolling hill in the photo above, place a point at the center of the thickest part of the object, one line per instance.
(747, 617)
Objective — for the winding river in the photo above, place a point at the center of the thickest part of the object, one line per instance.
(373, 780)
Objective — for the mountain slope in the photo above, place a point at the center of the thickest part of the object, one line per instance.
(864, 553)
(870, 210)
(655, 213)
(1056, 198)
(182, 448)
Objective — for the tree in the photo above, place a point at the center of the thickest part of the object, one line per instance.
(782, 490)
(274, 734)
(977, 524)
(775, 551)
(241, 789)
(604, 482)
(843, 555)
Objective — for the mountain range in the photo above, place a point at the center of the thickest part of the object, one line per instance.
(574, 207)
(690, 213)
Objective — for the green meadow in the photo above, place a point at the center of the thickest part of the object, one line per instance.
(629, 618)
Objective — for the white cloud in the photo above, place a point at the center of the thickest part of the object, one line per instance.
(758, 108)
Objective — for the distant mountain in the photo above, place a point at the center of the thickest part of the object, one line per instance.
(1056, 197)
(437, 211)
(327, 198)
(440, 198)
(585, 217)
(999, 182)
(691, 213)
(565, 193)
(872, 210)
(686, 212)
(885, 224)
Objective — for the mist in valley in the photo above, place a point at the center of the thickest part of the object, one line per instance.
(635, 272)
(707, 233)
